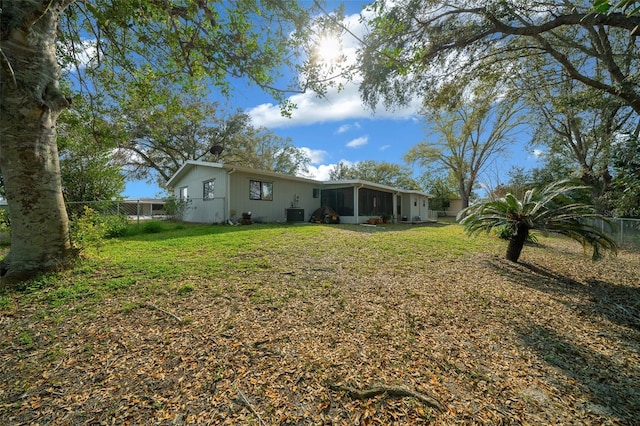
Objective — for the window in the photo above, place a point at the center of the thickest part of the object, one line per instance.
(316, 192)
(208, 187)
(184, 194)
(260, 190)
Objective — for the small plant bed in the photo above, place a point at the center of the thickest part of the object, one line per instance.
(279, 324)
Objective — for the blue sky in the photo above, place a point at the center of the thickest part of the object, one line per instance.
(340, 128)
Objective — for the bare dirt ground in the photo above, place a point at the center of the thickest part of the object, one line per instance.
(468, 339)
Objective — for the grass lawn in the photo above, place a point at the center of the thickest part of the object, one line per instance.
(311, 325)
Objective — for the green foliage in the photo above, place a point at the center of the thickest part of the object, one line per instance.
(469, 134)
(557, 208)
(90, 168)
(151, 85)
(5, 221)
(378, 172)
(117, 225)
(176, 207)
(152, 227)
(506, 232)
(89, 228)
(441, 188)
(405, 53)
(624, 197)
(186, 289)
(629, 7)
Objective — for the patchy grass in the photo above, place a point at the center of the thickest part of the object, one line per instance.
(282, 324)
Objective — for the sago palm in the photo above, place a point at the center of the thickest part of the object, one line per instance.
(555, 209)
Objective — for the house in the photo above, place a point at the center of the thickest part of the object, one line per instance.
(145, 207)
(216, 193)
(455, 206)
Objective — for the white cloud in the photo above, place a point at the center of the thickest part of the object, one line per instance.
(322, 171)
(316, 156)
(337, 105)
(537, 153)
(346, 127)
(84, 54)
(385, 147)
(358, 142)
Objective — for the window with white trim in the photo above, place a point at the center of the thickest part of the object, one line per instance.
(208, 189)
(184, 193)
(259, 190)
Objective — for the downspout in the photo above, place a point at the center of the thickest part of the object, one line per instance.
(227, 202)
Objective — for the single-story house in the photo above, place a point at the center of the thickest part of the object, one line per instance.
(455, 206)
(147, 207)
(217, 193)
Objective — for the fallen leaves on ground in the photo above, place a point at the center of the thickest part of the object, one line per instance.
(554, 339)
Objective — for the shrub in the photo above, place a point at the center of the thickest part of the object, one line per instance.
(5, 227)
(87, 229)
(117, 225)
(176, 207)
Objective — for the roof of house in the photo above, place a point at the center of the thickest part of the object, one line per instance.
(368, 184)
(230, 168)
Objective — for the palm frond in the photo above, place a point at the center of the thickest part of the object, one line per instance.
(556, 208)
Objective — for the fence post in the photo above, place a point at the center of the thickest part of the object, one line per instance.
(621, 231)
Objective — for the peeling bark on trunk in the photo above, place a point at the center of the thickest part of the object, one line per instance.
(516, 243)
(30, 104)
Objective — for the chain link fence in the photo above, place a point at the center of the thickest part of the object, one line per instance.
(626, 232)
(134, 209)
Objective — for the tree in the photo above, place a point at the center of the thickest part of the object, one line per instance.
(624, 198)
(471, 132)
(378, 172)
(261, 149)
(342, 171)
(187, 41)
(90, 168)
(157, 134)
(419, 46)
(580, 125)
(556, 208)
(442, 189)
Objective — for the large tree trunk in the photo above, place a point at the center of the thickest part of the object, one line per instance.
(516, 243)
(30, 104)
(465, 194)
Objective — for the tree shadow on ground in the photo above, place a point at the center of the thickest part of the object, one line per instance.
(609, 378)
(619, 304)
(610, 382)
(390, 227)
